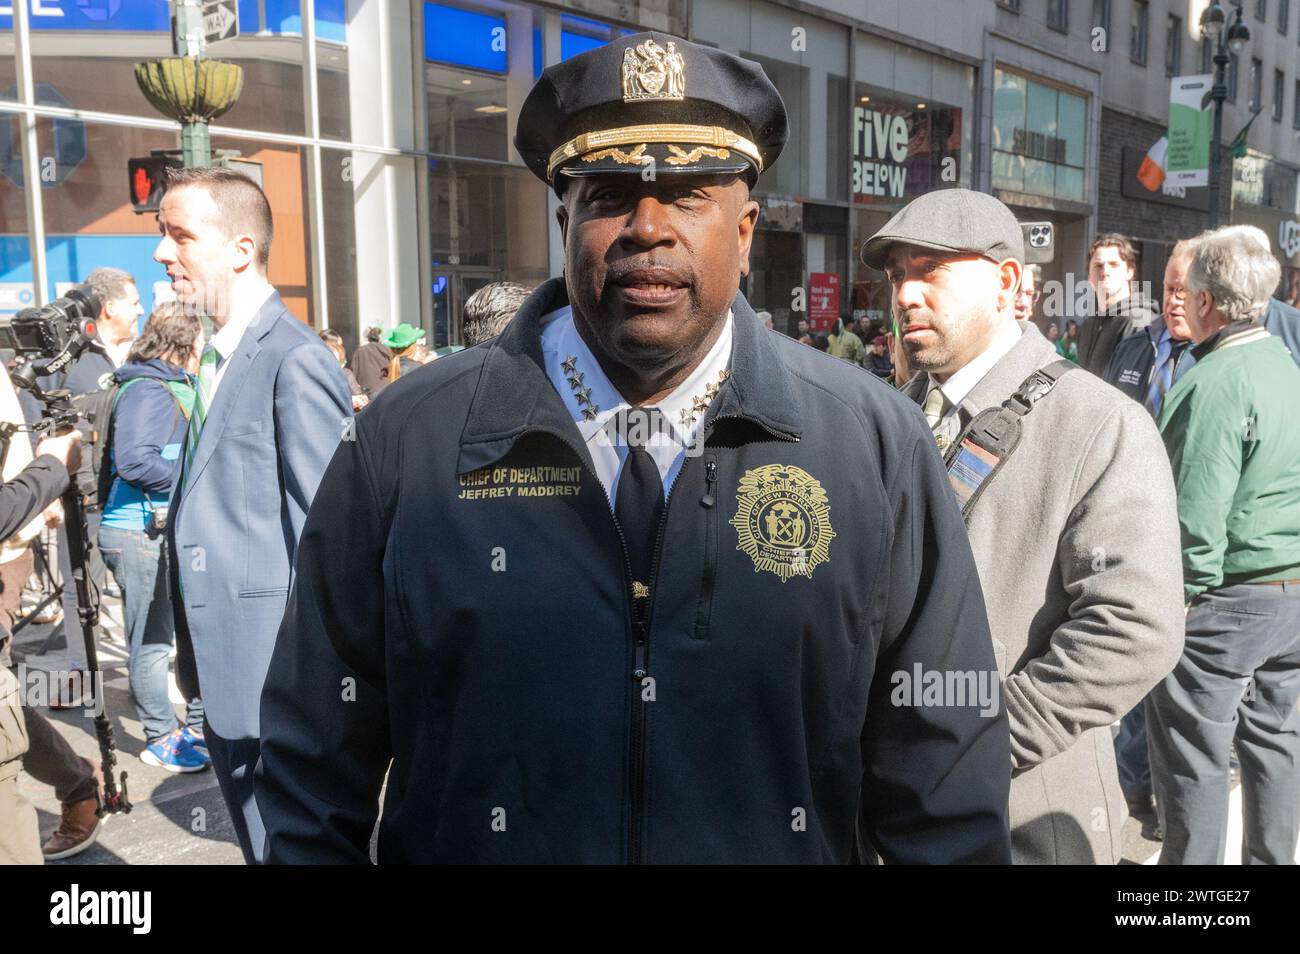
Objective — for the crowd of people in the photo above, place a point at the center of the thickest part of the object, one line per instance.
(1107, 521)
(150, 371)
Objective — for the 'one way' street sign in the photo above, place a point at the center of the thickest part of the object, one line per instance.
(220, 20)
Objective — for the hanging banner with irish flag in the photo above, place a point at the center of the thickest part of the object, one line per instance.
(1187, 162)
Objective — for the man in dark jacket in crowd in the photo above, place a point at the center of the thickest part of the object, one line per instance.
(641, 580)
(1145, 366)
(1117, 311)
(878, 362)
(116, 326)
(369, 363)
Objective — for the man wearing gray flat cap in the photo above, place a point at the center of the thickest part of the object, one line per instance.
(1069, 505)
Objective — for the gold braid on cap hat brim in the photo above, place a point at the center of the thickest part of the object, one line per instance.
(605, 139)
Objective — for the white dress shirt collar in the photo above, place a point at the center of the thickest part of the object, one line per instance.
(957, 387)
(595, 400)
(226, 339)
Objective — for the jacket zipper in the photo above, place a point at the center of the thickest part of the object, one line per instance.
(641, 631)
(641, 670)
(710, 502)
(641, 628)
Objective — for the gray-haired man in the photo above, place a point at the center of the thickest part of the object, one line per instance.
(1229, 427)
(489, 310)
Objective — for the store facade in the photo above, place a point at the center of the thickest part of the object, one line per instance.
(1266, 194)
(383, 127)
(1155, 214)
(1041, 131)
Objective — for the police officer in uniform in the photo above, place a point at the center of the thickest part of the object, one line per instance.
(639, 580)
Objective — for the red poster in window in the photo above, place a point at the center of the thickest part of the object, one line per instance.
(823, 300)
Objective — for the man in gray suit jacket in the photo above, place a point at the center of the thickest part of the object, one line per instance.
(1075, 535)
(271, 407)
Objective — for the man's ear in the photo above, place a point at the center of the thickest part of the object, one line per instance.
(245, 252)
(1010, 273)
(745, 223)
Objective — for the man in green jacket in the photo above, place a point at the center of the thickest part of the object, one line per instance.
(1228, 425)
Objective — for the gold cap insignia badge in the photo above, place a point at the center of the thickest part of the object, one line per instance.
(652, 72)
(783, 520)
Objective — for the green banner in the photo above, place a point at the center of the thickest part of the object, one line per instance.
(1188, 162)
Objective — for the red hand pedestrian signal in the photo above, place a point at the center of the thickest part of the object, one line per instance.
(147, 180)
(141, 185)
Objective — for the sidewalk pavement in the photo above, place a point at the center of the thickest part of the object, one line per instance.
(177, 819)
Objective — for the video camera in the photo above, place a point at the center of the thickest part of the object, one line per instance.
(51, 337)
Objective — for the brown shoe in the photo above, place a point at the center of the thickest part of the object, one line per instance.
(77, 830)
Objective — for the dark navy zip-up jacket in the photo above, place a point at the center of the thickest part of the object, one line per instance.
(1133, 362)
(461, 606)
(146, 420)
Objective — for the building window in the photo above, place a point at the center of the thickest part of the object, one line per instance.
(902, 148)
(1283, 16)
(1141, 27)
(1279, 91)
(1234, 71)
(1101, 17)
(1261, 9)
(1058, 15)
(1038, 138)
(1207, 56)
(1012, 5)
(1295, 105)
(1256, 83)
(1174, 46)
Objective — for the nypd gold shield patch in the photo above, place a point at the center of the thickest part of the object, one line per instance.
(783, 520)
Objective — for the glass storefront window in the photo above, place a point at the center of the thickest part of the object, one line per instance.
(870, 296)
(775, 269)
(8, 66)
(69, 57)
(89, 221)
(903, 148)
(837, 145)
(284, 177)
(1038, 138)
(338, 202)
(332, 77)
(467, 66)
(789, 175)
(488, 222)
(16, 289)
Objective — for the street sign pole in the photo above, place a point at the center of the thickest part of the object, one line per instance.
(188, 40)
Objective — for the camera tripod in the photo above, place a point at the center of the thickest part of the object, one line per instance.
(74, 517)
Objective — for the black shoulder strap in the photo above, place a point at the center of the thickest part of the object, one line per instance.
(975, 458)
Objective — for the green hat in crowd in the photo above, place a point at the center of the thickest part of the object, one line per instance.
(403, 336)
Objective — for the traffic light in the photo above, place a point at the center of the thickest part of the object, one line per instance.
(147, 179)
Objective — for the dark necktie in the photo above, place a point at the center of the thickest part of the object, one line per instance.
(639, 502)
(1163, 378)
